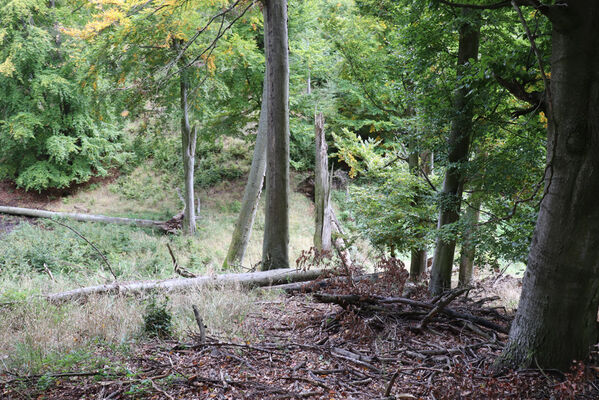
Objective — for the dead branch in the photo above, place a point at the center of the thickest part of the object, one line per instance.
(346, 300)
(439, 307)
(178, 269)
(88, 242)
(196, 314)
(311, 286)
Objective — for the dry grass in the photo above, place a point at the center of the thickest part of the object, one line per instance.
(36, 336)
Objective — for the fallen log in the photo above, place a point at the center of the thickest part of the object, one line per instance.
(253, 279)
(311, 286)
(345, 300)
(32, 212)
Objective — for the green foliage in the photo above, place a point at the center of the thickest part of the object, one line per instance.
(391, 207)
(50, 134)
(158, 319)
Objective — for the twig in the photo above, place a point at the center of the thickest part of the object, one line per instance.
(390, 384)
(91, 244)
(164, 393)
(178, 269)
(439, 307)
(57, 375)
(49, 272)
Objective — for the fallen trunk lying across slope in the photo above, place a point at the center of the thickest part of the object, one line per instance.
(31, 212)
(262, 278)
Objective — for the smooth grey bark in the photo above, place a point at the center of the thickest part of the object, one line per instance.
(556, 320)
(275, 251)
(252, 192)
(468, 244)
(188, 150)
(32, 212)
(418, 255)
(322, 188)
(459, 143)
(253, 279)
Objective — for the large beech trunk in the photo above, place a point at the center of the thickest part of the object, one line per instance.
(459, 143)
(556, 320)
(275, 251)
(252, 192)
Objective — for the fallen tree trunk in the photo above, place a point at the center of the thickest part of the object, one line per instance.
(32, 212)
(312, 286)
(262, 278)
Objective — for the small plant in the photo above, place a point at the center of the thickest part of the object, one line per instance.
(45, 382)
(158, 319)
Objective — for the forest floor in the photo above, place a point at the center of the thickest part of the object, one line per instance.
(295, 347)
(260, 344)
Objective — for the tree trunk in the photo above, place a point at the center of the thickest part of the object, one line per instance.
(418, 256)
(459, 143)
(418, 259)
(468, 245)
(275, 253)
(188, 150)
(322, 188)
(556, 320)
(251, 195)
(32, 212)
(253, 279)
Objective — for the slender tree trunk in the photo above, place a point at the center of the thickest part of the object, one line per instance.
(322, 188)
(275, 253)
(556, 320)
(418, 255)
(459, 143)
(251, 194)
(468, 245)
(188, 150)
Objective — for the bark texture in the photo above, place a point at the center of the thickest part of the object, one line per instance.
(322, 188)
(468, 245)
(188, 152)
(253, 279)
(275, 252)
(418, 256)
(556, 320)
(252, 192)
(459, 143)
(32, 212)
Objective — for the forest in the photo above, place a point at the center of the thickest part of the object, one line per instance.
(299, 199)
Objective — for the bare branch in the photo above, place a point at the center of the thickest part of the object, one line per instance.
(493, 6)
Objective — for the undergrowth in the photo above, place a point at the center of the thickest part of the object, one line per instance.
(37, 336)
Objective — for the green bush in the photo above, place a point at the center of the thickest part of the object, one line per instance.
(49, 137)
(158, 319)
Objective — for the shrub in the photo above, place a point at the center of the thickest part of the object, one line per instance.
(158, 319)
(49, 137)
